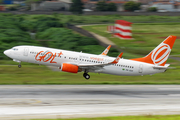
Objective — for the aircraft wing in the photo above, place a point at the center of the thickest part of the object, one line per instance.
(105, 52)
(97, 66)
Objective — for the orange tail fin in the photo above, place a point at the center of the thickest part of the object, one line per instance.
(160, 54)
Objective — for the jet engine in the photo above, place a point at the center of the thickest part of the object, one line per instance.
(69, 68)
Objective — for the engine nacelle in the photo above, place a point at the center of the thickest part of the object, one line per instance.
(69, 68)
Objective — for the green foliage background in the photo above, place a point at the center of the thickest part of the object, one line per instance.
(131, 6)
(152, 9)
(76, 7)
(65, 39)
(103, 6)
(50, 32)
(12, 34)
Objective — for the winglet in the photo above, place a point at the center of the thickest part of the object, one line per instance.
(105, 52)
(117, 59)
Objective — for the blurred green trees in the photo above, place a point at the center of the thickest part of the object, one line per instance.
(76, 7)
(40, 24)
(152, 9)
(11, 33)
(103, 6)
(63, 38)
(50, 31)
(132, 6)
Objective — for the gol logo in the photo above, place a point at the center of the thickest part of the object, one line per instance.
(160, 54)
(47, 56)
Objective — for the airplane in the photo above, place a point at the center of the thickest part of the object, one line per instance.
(74, 62)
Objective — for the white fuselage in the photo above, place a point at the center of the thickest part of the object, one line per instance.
(56, 57)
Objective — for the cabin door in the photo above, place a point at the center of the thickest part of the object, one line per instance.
(26, 50)
(140, 68)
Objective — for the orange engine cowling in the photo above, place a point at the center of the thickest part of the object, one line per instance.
(69, 68)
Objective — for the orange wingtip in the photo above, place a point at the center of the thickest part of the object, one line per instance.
(105, 52)
(109, 47)
(117, 59)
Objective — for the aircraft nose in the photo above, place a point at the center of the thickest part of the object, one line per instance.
(7, 52)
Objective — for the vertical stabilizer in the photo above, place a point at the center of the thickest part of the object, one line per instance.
(160, 54)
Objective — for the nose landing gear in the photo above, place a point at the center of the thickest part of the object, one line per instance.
(19, 66)
(85, 75)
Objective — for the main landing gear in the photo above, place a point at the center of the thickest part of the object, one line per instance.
(85, 75)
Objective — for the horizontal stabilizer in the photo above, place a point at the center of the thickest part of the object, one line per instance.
(161, 67)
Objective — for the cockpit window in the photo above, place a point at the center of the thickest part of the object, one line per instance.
(15, 49)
